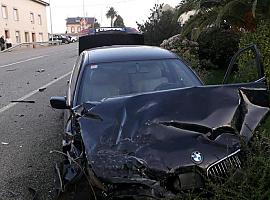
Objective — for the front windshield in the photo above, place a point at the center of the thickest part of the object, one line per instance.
(123, 78)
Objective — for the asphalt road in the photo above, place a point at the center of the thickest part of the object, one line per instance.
(29, 131)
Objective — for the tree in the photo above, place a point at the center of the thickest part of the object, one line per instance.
(160, 25)
(96, 25)
(218, 45)
(111, 13)
(119, 22)
(238, 15)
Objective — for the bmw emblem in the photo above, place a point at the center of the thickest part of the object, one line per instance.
(196, 157)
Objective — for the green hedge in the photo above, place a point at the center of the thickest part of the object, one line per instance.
(187, 50)
(218, 45)
(262, 39)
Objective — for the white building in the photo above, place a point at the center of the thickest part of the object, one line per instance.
(23, 20)
(77, 24)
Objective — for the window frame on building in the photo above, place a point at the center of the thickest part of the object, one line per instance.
(39, 19)
(26, 36)
(33, 36)
(40, 37)
(16, 14)
(7, 33)
(72, 29)
(18, 37)
(32, 18)
(4, 11)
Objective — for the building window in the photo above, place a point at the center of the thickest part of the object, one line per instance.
(40, 35)
(78, 29)
(32, 19)
(18, 37)
(72, 29)
(39, 20)
(15, 14)
(26, 35)
(4, 11)
(7, 35)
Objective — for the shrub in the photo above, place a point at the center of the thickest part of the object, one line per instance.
(254, 179)
(262, 39)
(188, 50)
(218, 45)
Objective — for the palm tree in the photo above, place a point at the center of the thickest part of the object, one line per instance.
(236, 14)
(111, 13)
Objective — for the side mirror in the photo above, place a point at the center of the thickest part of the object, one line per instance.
(59, 103)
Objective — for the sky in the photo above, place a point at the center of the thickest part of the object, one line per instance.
(130, 10)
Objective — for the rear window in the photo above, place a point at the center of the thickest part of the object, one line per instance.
(124, 78)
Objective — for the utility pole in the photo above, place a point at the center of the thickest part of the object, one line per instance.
(84, 15)
(51, 20)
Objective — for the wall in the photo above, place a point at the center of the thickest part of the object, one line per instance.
(36, 31)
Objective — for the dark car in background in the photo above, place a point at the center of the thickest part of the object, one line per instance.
(72, 38)
(62, 38)
(140, 124)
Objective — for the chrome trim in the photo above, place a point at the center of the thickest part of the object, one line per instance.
(260, 80)
(225, 158)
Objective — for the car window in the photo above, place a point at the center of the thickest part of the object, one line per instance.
(123, 78)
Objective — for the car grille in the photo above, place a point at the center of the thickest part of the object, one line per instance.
(224, 167)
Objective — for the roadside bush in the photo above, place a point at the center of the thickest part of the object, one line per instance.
(262, 39)
(188, 50)
(161, 24)
(254, 179)
(218, 46)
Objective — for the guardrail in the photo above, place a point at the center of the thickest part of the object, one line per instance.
(55, 42)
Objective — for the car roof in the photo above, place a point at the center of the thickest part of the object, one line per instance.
(118, 53)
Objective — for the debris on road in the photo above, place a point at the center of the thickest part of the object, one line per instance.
(40, 70)
(10, 70)
(42, 89)
(22, 101)
(4, 143)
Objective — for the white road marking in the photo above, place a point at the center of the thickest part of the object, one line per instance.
(3, 109)
(27, 60)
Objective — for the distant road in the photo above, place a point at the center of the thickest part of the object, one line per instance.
(29, 131)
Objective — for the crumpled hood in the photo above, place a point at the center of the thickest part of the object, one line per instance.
(159, 131)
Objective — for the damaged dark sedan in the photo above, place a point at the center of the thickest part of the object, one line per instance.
(140, 124)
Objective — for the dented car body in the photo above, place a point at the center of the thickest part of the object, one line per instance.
(154, 143)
